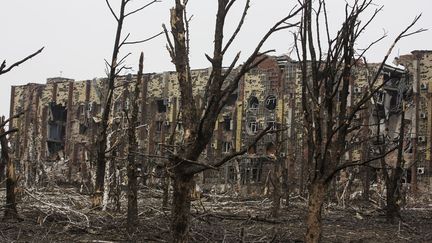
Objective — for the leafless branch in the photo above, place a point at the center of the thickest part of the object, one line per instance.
(10, 118)
(240, 24)
(111, 10)
(143, 7)
(359, 163)
(9, 132)
(16, 64)
(142, 41)
(170, 46)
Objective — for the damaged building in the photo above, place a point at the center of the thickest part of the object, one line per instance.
(61, 118)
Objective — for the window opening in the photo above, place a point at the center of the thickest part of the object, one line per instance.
(270, 102)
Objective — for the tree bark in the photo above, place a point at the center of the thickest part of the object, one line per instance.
(316, 200)
(132, 214)
(102, 138)
(366, 183)
(2, 170)
(10, 207)
(276, 189)
(165, 187)
(181, 207)
(394, 184)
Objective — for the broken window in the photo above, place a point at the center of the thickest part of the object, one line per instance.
(159, 125)
(251, 171)
(380, 96)
(179, 126)
(80, 111)
(227, 123)
(270, 102)
(272, 125)
(252, 126)
(57, 116)
(231, 100)
(253, 103)
(162, 105)
(226, 147)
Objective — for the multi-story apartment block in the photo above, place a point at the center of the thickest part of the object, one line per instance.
(61, 117)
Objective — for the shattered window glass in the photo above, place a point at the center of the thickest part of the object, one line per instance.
(253, 102)
(270, 102)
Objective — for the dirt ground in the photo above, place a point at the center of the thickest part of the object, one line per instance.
(63, 215)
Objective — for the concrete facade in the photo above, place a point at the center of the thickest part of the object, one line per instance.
(61, 118)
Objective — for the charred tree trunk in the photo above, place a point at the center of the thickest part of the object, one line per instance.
(102, 138)
(317, 193)
(365, 171)
(199, 118)
(366, 183)
(165, 187)
(276, 189)
(2, 170)
(286, 186)
(394, 182)
(181, 204)
(10, 207)
(132, 214)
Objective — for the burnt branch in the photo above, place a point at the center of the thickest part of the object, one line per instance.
(232, 155)
(239, 26)
(8, 132)
(3, 68)
(111, 10)
(142, 8)
(4, 122)
(359, 163)
(169, 46)
(144, 40)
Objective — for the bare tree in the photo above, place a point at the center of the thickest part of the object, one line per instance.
(326, 76)
(393, 179)
(132, 215)
(199, 121)
(10, 208)
(115, 66)
(4, 68)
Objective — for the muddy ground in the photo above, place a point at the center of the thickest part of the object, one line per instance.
(63, 215)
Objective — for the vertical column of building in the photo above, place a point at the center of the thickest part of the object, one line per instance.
(24, 156)
(37, 123)
(69, 107)
(143, 111)
(12, 106)
(291, 154)
(70, 150)
(429, 133)
(54, 93)
(94, 131)
(43, 129)
(239, 115)
(27, 117)
(152, 128)
(15, 145)
(416, 86)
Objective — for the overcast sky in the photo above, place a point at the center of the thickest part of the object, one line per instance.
(78, 35)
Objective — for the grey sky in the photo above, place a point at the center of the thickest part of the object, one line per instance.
(78, 35)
